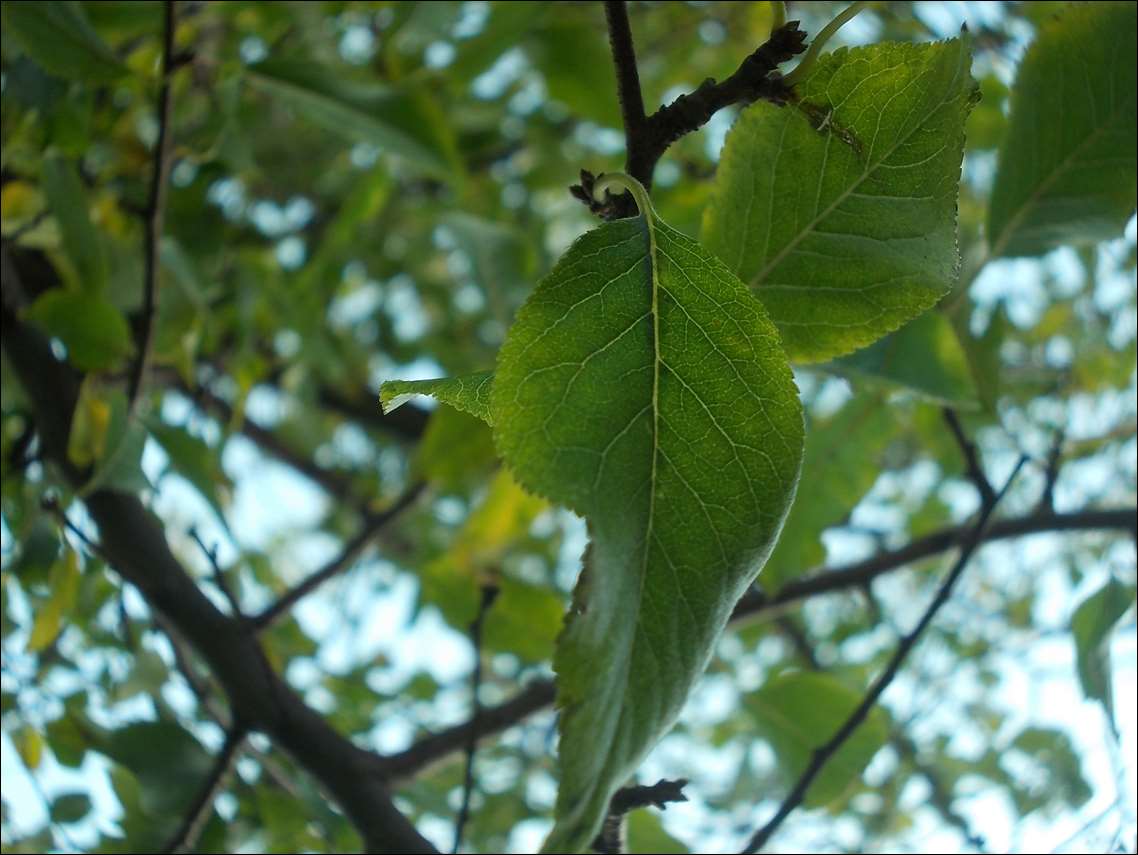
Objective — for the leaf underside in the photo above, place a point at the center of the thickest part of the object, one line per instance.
(469, 393)
(644, 387)
(1067, 170)
(840, 209)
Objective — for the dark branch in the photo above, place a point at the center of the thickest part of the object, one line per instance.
(133, 542)
(1051, 473)
(190, 829)
(647, 138)
(535, 696)
(627, 799)
(827, 750)
(351, 551)
(155, 210)
(757, 604)
(489, 594)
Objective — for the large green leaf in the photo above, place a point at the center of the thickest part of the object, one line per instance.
(799, 712)
(841, 209)
(925, 355)
(57, 36)
(643, 386)
(403, 122)
(1091, 626)
(469, 393)
(1067, 170)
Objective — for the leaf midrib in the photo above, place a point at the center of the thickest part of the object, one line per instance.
(1065, 164)
(807, 230)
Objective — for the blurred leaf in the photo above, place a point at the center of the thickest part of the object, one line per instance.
(574, 60)
(195, 461)
(50, 617)
(57, 35)
(841, 463)
(798, 712)
(150, 750)
(841, 214)
(646, 834)
(1059, 767)
(67, 201)
(456, 450)
(1091, 626)
(924, 355)
(87, 442)
(406, 123)
(92, 329)
(1068, 168)
(29, 745)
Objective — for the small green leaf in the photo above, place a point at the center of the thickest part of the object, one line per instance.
(70, 807)
(92, 329)
(403, 123)
(57, 36)
(68, 203)
(195, 461)
(64, 586)
(469, 393)
(840, 210)
(1091, 626)
(643, 386)
(456, 450)
(799, 712)
(1068, 170)
(925, 355)
(841, 463)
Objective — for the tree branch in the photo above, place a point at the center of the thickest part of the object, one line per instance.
(370, 527)
(133, 541)
(489, 594)
(190, 829)
(155, 210)
(822, 754)
(756, 604)
(627, 799)
(648, 137)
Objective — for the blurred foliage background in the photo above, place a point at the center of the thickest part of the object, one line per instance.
(368, 191)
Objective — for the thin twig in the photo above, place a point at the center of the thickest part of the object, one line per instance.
(648, 137)
(489, 594)
(826, 751)
(627, 799)
(218, 574)
(190, 829)
(155, 210)
(1051, 473)
(352, 549)
(971, 457)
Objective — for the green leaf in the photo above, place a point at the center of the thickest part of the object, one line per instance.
(456, 450)
(1058, 776)
(92, 329)
(1091, 626)
(68, 203)
(403, 123)
(646, 834)
(1067, 170)
(150, 750)
(194, 460)
(469, 393)
(59, 37)
(841, 211)
(70, 807)
(644, 387)
(64, 586)
(925, 355)
(842, 461)
(798, 712)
